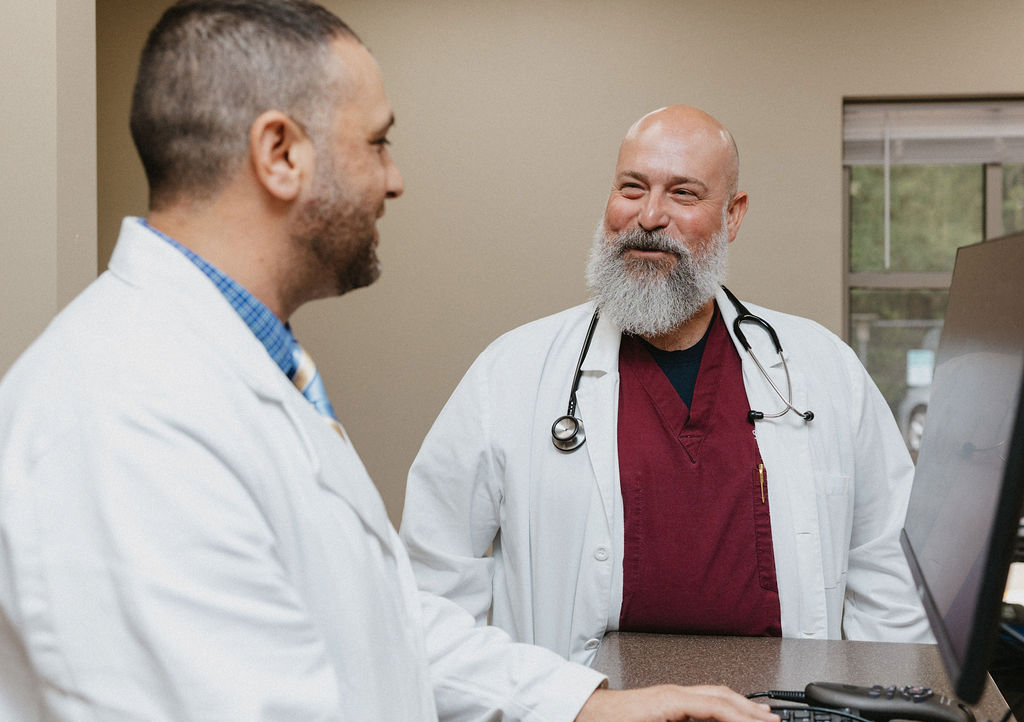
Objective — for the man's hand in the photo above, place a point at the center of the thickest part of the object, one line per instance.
(672, 702)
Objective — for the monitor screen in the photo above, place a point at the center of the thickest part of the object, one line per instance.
(965, 507)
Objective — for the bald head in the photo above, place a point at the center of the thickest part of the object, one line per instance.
(677, 170)
(683, 125)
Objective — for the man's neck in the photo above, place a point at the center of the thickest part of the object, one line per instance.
(688, 333)
(233, 243)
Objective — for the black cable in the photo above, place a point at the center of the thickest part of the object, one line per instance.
(1014, 643)
(791, 696)
(779, 694)
(1017, 703)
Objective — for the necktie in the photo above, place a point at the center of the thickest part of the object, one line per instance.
(307, 380)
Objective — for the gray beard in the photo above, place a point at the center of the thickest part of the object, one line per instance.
(644, 297)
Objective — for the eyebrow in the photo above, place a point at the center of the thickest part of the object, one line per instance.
(677, 180)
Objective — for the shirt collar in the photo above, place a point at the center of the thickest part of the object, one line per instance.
(275, 336)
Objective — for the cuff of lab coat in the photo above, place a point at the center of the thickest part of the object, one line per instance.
(565, 693)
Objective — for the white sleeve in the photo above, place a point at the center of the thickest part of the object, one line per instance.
(453, 501)
(479, 673)
(881, 603)
(451, 516)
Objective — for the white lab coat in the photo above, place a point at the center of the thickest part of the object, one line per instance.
(183, 537)
(488, 473)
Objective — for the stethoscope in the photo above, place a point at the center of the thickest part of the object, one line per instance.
(567, 432)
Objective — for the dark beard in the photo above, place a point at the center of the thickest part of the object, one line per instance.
(336, 237)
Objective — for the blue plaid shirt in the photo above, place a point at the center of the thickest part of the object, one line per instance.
(267, 327)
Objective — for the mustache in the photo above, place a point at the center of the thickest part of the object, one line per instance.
(641, 240)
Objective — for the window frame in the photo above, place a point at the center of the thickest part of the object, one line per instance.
(992, 222)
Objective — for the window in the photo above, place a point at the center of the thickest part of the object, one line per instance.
(921, 180)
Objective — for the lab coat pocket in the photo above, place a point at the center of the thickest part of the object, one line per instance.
(835, 512)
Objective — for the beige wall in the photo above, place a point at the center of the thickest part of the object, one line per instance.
(509, 115)
(48, 183)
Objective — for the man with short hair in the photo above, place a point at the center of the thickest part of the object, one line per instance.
(185, 529)
(680, 492)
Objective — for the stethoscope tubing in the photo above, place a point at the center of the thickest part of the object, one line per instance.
(567, 432)
(579, 364)
(743, 315)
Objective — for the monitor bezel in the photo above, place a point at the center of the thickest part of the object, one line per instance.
(969, 674)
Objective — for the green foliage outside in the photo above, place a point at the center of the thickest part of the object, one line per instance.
(1013, 198)
(897, 321)
(935, 209)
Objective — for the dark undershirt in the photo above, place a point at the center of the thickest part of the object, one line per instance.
(681, 367)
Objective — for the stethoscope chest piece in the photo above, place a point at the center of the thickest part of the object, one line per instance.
(567, 433)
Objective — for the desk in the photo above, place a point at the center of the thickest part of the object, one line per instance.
(755, 664)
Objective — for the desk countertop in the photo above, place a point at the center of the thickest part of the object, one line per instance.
(754, 664)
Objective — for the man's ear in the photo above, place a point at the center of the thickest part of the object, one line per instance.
(737, 209)
(282, 154)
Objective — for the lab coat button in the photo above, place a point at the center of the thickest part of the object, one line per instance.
(592, 644)
(601, 554)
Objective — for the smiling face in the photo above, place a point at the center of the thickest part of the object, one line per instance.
(354, 176)
(676, 172)
(659, 255)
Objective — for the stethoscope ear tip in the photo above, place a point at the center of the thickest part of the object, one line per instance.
(753, 416)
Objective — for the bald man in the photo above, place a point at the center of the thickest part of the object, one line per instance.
(697, 498)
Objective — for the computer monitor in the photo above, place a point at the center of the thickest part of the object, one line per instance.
(965, 507)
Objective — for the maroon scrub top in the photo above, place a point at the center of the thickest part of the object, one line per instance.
(698, 555)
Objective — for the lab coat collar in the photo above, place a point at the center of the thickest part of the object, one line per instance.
(144, 260)
(603, 356)
(598, 407)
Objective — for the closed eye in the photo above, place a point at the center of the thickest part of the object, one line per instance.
(686, 195)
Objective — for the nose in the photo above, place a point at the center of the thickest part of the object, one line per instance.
(652, 213)
(395, 183)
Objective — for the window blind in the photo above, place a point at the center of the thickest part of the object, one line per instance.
(936, 132)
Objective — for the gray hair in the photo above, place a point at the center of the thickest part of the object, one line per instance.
(640, 296)
(209, 69)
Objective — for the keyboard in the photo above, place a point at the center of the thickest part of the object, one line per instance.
(803, 714)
